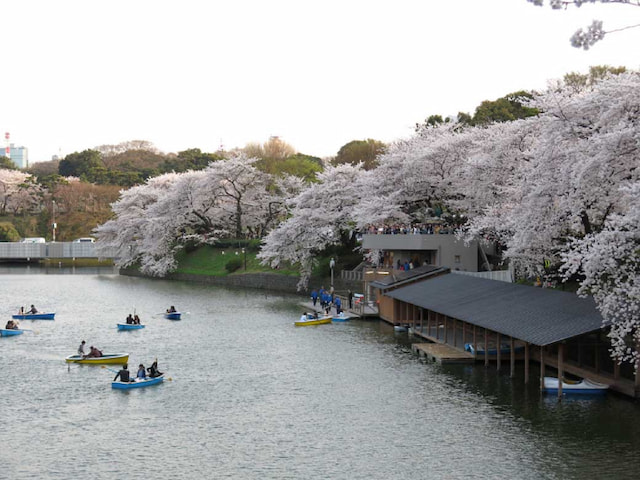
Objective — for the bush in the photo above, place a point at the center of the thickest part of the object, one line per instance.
(8, 232)
(233, 265)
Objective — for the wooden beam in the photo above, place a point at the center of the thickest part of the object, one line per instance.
(486, 348)
(560, 369)
(513, 358)
(526, 363)
(542, 360)
(474, 340)
(446, 328)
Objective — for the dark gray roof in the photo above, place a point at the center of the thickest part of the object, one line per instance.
(404, 276)
(536, 315)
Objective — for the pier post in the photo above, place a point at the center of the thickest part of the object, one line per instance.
(560, 369)
(541, 369)
(526, 363)
(498, 356)
(513, 358)
(486, 348)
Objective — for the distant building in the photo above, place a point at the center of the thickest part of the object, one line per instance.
(19, 156)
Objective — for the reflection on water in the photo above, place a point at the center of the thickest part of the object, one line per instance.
(51, 269)
(252, 396)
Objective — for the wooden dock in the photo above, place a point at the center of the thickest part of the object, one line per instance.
(443, 354)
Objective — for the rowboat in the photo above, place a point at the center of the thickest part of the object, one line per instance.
(312, 321)
(340, 318)
(8, 332)
(400, 328)
(138, 383)
(34, 316)
(130, 326)
(505, 349)
(578, 387)
(172, 315)
(106, 359)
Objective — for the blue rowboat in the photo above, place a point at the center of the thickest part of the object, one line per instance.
(172, 315)
(340, 318)
(130, 326)
(34, 316)
(147, 382)
(8, 332)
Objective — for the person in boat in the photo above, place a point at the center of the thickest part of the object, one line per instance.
(136, 319)
(33, 310)
(142, 373)
(81, 348)
(94, 352)
(123, 374)
(11, 325)
(171, 309)
(153, 369)
(304, 317)
(21, 311)
(129, 319)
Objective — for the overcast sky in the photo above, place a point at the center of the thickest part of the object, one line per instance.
(198, 74)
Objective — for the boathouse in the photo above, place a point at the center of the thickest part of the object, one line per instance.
(510, 322)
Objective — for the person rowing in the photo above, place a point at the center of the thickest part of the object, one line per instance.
(123, 374)
(171, 309)
(33, 310)
(81, 349)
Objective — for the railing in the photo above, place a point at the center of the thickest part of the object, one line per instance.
(28, 251)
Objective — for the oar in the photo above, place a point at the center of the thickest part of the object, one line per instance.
(35, 332)
(110, 369)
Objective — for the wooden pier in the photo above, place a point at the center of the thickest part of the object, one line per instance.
(443, 354)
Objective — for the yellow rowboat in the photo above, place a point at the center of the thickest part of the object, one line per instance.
(106, 359)
(313, 321)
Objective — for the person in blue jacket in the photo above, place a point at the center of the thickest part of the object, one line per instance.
(338, 303)
(314, 296)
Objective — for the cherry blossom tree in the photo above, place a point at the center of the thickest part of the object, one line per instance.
(19, 193)
(610, 263)
(586, 38)
(320, 216)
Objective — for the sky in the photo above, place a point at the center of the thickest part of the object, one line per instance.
(206, 73)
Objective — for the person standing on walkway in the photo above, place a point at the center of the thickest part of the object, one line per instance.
(314, 296)
(350, 298)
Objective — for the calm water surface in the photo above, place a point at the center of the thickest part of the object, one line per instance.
(252, 396)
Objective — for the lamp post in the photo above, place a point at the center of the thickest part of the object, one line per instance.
(53, 222)
(332, 263)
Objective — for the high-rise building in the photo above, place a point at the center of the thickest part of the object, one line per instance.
(19, 156)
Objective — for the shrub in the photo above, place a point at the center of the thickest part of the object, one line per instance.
(8, 232)
(233, 265)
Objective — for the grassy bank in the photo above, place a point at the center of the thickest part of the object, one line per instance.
(78, 262)
(212, 261)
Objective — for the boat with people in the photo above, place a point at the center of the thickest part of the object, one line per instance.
(312, 320)
(130, 326)
(173, 315)
(105, 359)
(137, 383)
(505, 349)
(34, 316)
(9, 332)
(578, 387)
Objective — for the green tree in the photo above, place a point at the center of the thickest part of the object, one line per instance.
(192, 159)
(6, 163)
(505, 109)
(579, 81)
(356, 151)
(79, 164)
(299, 165)
(8, 232)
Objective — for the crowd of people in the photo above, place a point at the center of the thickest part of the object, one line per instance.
(415, 229)
(328, 299)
